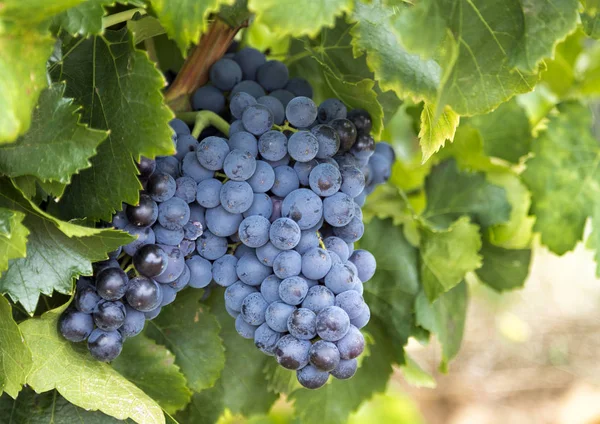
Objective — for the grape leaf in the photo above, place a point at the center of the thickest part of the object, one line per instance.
(560, 74)
(145, 28)
(13, 237)
(186, 20)
(90, 384)
(191, 332)
(205, 408)
(111, 99)
(22, 78)
(56, 145)
(563, 177)
(57, 251)
(435, 130)
(49, 407)
(415, 375)
(33, 11)
(298, 18)
(15, 356)
(151, 367)
(446, 318)
(447, 255)
(452, 193)
(503, 269)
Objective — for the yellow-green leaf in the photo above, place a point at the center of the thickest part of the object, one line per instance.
(435, 130)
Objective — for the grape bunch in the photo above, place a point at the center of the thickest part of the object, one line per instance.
(286, 195)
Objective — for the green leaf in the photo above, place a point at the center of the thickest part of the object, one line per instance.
(298, 18)
(186, 20)
(56, 146)
(151, 367)
(123, 96)
(13, 237)
(23, 77)
(15, 356)
(57, 251)
(560, 74)
(90, 384)
(447, 255)
(205, 408)
(145, 28)
(563, 177)
(49, 407)
(506, 132)
(504, 269)
(33, 11)
(435, 130)
(446, 318)
(191, 332)
(452, 193)
(415, 376)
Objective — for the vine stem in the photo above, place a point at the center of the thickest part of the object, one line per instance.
(285, 127)
(120, 17)
(202, 120)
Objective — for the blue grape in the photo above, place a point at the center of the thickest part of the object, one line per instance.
(239, 102)
(287, 264)
(192, 230)
(105, 345)
(236, 196)
(86, 299)
(210, 246)
(363, 147)
(318, 298)
(308, 240)
(338, 210)
(208, 98)
(277, 314)
(208, 193)
(250, 87)
(211, 152)
(346, 369)
(265, 339)
(331, 109)
(186, 189)
(363, 318)
(304, 207)
(281, 162)
(261, 205)
(284, 233)
(270, 289)
(284, 96)
(168, 295)
(257, 119)
(340, 278)
(144, 213)
(236, 293)
(292, 353)
(324, 355)
(111, 283)
(192, 168)
(244, 329)
(75, 326)
(221, 222)
(253, 309)
(197, 214)
(365, 264)
(361, 120)
(339, 246)
(182, 281)
(254, 231)
(384, 149)
(352, 344)
(175, 264)
(353, 181)
(380, 169)
(346, 159)
(302, 324)
(311, 378)
(174, 213)
(299, 87)
(272, 145)
(293, 290)
(301, 112)
(316, 263)
(249, 60)
(275, 107)
(144, 236)
(150, 315)
(235, 127)
(161, 187)
(119, 220)
(303, 170)
(325, 179)
(286, 181)
(332, 323)
(267, 253)
(98, 267)
(225, 74)
(134, 322)
(168, 237)
(272, 75)
(241, 250)
(328, 139)
(263, 178)
(200, 272)
(224, 270)
(244, 141)
(168, 165)
(150, 260)
(185, 144)
(179, 126)
(351, 232)
(361, 198)
(303, 146)
(239, 165)
(346, 132)
(351, 302)
(109, 315)
(251, 271)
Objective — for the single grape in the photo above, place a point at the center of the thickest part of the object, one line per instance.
(263, 178)
(168, 295)
(293, 290)
(225, 74)
(208, 97)
(182, 281)
(338, 210)
(150, 315)
(119, 220)
(364, 146)
(150, 260)
(244, 329)
(241, 250)
(75, 326)
(236, 196)
(339, 246)
(303, 170)
(311, 378)
(365, 264)
(284, 96)
(179, 126)
(277, 315)
(275, 106)
(224, 270)
(332, 323)
(257, 119)
(144, 213)
(351, 302)
(272, 145)
(111, 283)
(361, 198)
(192, 230)
(380, 169)
(208, 191)
(244, 141)
(316, 263)
(186, 189)
(267, 253)
(292, 353)
(105, 345)
(353, 181)
(210, 246)
(109, 315)
(249, 60)
(134, 322)
(308, 240)
(239, 165)
(143, 294)
(325, 179)
(253, 309)
(266, 339)
(270, 288)
(384, 149)
(361, 120)
(304, 207)
(302, 324)
(301, 112)
(174, 213)
(346, 132)
(175, 264)
(254, 231)
(284, 233)
(250, 87)
(221, 222)
(272, 75)
(185, 144)
(328, 139)
(192, 168)
(346, 369)
(251, 271)
(324, 355)
(144, 236)
(286, 181)
(303, 146)
(200, 272)
(299, 87)
(352, 344)
(211, 152)
(168, 165)
(261, 205)
(352, 231)
(340, 278)
(146, 166)
(331, 109)
(168, 237)
(287, 264)
(86, 299)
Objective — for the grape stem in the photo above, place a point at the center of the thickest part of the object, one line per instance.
(129, 268)
(285, 127)
(121, 17)
(204, 119)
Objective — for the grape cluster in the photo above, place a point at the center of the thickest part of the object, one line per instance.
(286, 194)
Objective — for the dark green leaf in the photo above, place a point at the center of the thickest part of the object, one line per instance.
(504, 269)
